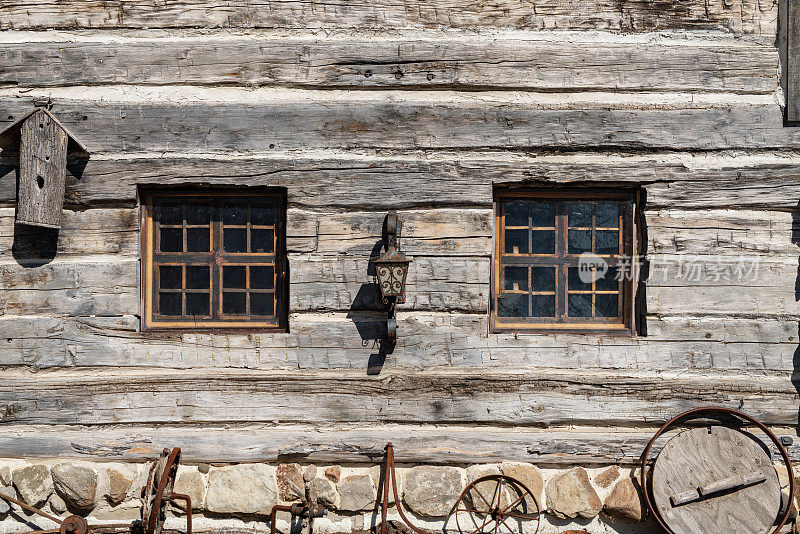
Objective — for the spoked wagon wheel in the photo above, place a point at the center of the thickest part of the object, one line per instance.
(156, 495)
(496, 504)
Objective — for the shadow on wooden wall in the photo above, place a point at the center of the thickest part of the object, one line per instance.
(796, 358)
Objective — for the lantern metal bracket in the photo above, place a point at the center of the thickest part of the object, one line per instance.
(391, 269)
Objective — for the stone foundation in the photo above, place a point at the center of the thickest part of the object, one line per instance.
(597, 500)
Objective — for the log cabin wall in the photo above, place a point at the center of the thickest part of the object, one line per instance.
(423, 107)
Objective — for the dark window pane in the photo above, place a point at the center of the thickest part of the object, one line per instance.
(607, 215)
(170, 277)
(544, 305)
(261, 240)
(262, 277)
(197, 304)
(544, 241)
(606, 242)
(609, 281)
(169, 213)
(262, 214)
(512, 305)
(198, 277)
(198, 214)
(198, 239)
(516, 213)
(233, 303)
(169, 303)
(516, 241)
(262, 304)
(574, 282)
(234, 214)
(515, 278)
(580, 214)
(543, 278)
(579, 305)
(171, 240)
(606, 305)
(233, 276)
(234, 239)
(543, 214)
(580, 241)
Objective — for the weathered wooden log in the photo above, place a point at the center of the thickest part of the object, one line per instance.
(441, 232)
(444, 179)
(737, 16)
(339, 443)
(426, 340)
(108, 285)
(535, 61)
(476, 396)
(178, 120)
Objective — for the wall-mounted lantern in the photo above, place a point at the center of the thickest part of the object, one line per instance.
(391, 269)
(43, 146)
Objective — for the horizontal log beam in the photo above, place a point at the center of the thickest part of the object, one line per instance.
(676, 284)
(120, 119)
(353, 180)
(338, 444)
(482, 396)
(353, 340)
(430, 232)
(548, 62)
(738, 16)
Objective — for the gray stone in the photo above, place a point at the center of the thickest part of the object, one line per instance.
(242, 489)
(57, 504)
(483, 491)
(356, 493)
(9, 492)
(334, 473)
(432, 491)
(309, 473)
(75, 484)
(33, 484)
(286, 473)
(607, 476)
(571, 495)
(192, 483)
(624, 501)
(530, 476)
(118, 485)
(324, 492)
(204, 468)
(5, 475)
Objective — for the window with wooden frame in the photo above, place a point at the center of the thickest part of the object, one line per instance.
(564, 261)
(214, 259)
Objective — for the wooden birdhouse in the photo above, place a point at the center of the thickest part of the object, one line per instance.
(43, 146)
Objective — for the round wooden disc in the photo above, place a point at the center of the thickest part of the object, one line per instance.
(698, 457)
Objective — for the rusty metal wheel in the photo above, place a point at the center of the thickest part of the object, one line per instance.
(156, 495)
(496, 504)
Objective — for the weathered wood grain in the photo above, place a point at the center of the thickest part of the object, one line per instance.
(677, 284)
(353, 180)
(338, 443)
(425, 340)
(737, 16)
(440, 232)
(482, 396)
(181, 119)
(747, 232)
(793, 63)
(554, 62)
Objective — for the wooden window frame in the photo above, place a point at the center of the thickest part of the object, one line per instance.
(562, 259)
(215, 196)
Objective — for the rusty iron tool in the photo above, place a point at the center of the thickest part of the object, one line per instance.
(307, 509)
(161, 478)
(511, 502)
